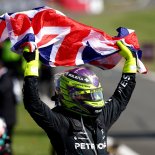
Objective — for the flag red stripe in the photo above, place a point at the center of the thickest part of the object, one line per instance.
(2, 26)
(70, 47)
(43, 19)
(20, 23)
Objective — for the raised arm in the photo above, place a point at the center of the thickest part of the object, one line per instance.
(119, 100)
(39, 111)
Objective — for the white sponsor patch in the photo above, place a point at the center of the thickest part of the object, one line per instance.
(88, 146)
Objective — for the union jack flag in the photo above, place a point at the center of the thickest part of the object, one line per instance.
(63, 41)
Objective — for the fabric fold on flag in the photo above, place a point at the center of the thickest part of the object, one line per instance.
(63, 41)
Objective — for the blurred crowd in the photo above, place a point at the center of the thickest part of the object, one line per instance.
(11, 78)
(10, 92)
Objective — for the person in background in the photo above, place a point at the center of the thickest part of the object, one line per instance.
(7, 99)
(15, 64)
(5, 147)
(79, 123)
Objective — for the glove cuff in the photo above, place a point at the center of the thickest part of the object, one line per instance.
(32, 68)
(130, 66)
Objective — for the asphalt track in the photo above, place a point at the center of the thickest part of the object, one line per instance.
(136, 125)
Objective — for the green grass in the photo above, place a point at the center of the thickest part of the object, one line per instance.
(141, 21)
(28, 138)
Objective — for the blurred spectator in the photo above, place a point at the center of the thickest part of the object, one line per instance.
(82, 6)
(5, 148)
(7, 99)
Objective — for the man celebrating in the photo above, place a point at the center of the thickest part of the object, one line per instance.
(79, 124)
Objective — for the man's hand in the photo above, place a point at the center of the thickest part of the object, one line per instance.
(130, 63)
(32, 59)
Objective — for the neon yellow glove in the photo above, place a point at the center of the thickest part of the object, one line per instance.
(130, 63)
(32, 64)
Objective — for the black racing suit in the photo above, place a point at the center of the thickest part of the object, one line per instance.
(72, 134)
